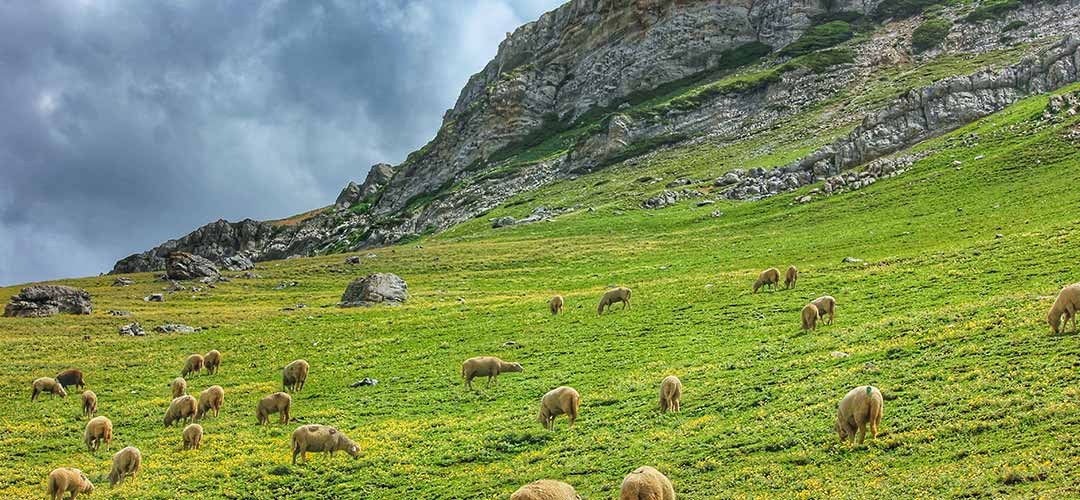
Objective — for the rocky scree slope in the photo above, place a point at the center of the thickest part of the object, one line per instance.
(593, 73)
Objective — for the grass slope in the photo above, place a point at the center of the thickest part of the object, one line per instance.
(986, 400)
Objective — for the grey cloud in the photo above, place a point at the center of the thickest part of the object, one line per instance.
(128, 123)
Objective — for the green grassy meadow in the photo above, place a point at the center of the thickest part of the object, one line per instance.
(961, 265)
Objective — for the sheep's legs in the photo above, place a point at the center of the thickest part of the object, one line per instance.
(862, 433)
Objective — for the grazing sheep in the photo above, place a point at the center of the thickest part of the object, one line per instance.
(826, 305)
(556, 304)
(181, 409)
(809, 317)
(98, 430)
(670, 393)
(278, 402)
(46, 384)
(320, 438)
(125, 463)
(486, 366)
(1067, 303)
(646, 483)
(89, 403)
(620, 294)
(861, 408)
(71, 377)
(767, 278)
(546, 489)
(179, 387)
(193, 365)
(210, 399)
(790, 277)
(192, 436)
(68, 480)
(294, 375)
(212, 361)
(559, 401)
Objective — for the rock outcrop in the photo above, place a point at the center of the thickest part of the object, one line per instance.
(46, 300)
(375, 288)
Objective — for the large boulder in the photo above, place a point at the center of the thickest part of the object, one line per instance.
(376, 288)
(238, 262)
(186, 266)
(348, 197)
(46, 300)
(377, 177)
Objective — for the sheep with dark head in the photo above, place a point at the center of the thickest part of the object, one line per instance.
(70, 377)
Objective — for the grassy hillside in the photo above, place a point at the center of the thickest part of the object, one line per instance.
(982, 399)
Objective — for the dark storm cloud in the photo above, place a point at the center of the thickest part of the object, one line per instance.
(128, 123)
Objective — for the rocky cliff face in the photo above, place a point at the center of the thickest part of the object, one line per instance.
(591, 55)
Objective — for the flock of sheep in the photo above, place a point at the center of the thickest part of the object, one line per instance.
(859, 411)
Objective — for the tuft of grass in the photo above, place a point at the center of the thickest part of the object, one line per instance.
(819, 37)
(992, 9)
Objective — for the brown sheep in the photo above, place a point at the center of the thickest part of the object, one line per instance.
(70, 377)
(278, 402)
(181, 409)
(860, 409)
(89, 403)
(193, 365)
(1067, 303)
(68, 480)
(46, 384)
(810, 317)
(486, 366)
(212, 361)
(178, 386)
(620, 294)
(559, 401)
(767, 278)
(556, 304)
(98, 430)
(646, 483)
(790, 277)
(670, 393)
(192, 436)
(546, 489)
(125, 463)
(210, 399)
(294, 375)
(826, 305)
(321, 438)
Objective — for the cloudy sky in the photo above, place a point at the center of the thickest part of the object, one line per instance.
(127, 123)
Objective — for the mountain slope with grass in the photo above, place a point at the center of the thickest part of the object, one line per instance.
(961, 256)
(944, 253)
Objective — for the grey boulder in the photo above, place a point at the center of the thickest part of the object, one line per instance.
(376, 288)
(46, 300)
(187, 266)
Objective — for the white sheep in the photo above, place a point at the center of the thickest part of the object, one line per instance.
(320, 438)
(278, 402)
(860, 409)
(486, 366)
(68, 480)
(98, 430)
(546, 489)
(670, 394)
(646, 483)
(125, 463)
(826, 305)
(1067, 303)
(559, 401)
(192, 436)
(294, 375)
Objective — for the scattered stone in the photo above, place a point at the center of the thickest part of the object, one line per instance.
(803, 199)
(133, 330)
(648, 179)
(174, 287)
(46, 300)
(371, 256)
(851, 260)
(717, 213)
(186, 266)
(668, 198)
(249, 276)
(365, 382)
(510, 344)
(498, 222)
(999, 236)
(980, 157)
(679, 183)
(704, 203)
(123, 281)
(114, 312)
(374, 289)
(839, 354)
(870, 367)
(286, 284)
(154, 297)
(355, 259)
(175, 328)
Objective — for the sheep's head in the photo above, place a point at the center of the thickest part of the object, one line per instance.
(87, 486)
(1054, 320)
(515, 367)
(60, 390)
(757, 284)
(353, 450)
